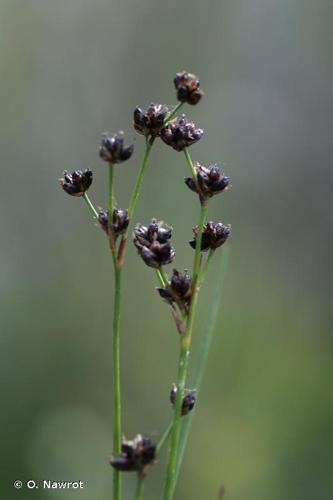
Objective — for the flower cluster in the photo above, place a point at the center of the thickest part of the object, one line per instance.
(188, 88)
(189, 399)
(149, 123)
(113, 150)
(153, 243)
(117, 224)
(77, 183)
(208, 182)
(178, 291)
(214, 235)
(181, 133)
(136, 455)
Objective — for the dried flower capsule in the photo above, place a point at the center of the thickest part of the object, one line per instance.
(189, 399)
(188, 88)
(178, 290)
(112, 148)
(151, 122)
(76, 183)
(209, 181)
(153, 244)
(136, 455)
(214, 234)
(117, 225)
(180, 133)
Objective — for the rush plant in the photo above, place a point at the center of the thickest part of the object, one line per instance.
(179, 289)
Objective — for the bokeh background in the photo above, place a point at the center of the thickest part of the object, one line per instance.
(72, 69)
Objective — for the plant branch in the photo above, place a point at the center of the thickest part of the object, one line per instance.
(139, 179)
(173, 113)
(163, 439)
(185, 342)
(90, 205)
(160, 278)
(190, 164)
(111, 175)
(204, 348)
(139, 488)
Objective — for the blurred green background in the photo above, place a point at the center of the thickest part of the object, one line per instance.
(71, 69)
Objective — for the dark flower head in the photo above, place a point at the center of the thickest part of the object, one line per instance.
(150, 122)
(76, 183)
(189, 399)
(180, 133)
(209, 181)
(214, 234)
(188, 88)
(117, 225)
(136, 455)
(112, 148)
(178, 290)
(153, 244)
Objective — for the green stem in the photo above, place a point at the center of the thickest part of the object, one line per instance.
(190, 164)
(204, 347)
(173, 113)
(115, 350)
(160, 278)
(116, 380)
(110, 205)
(185, 343)
(90, 205)
(139, 179)
(163, 439)
(139, 488)
(206, 266)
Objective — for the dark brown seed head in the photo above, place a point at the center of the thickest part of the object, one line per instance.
(180, 133)
(118, 223)
(136, 455)
(188, 88)
(189, 399)
(150, 122)
(153, 243)
(214, 235)
(178, 290)
(76, 183)
(113, 150)
(209, 181)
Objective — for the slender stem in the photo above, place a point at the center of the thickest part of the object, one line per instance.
(139, 488)
(139, 179)
(164, 276)
(173, 112)
(160, 277)
(163, 439)
(204, 347)
(111, 175)
(206, 266)
(190, 164)
(90, 205)
(185, 343)
(172, 459)
(115, 350)
(116, 380)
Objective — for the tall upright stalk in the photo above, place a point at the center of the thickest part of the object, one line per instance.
(185, 343)
(116, 380)
(115, 348)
